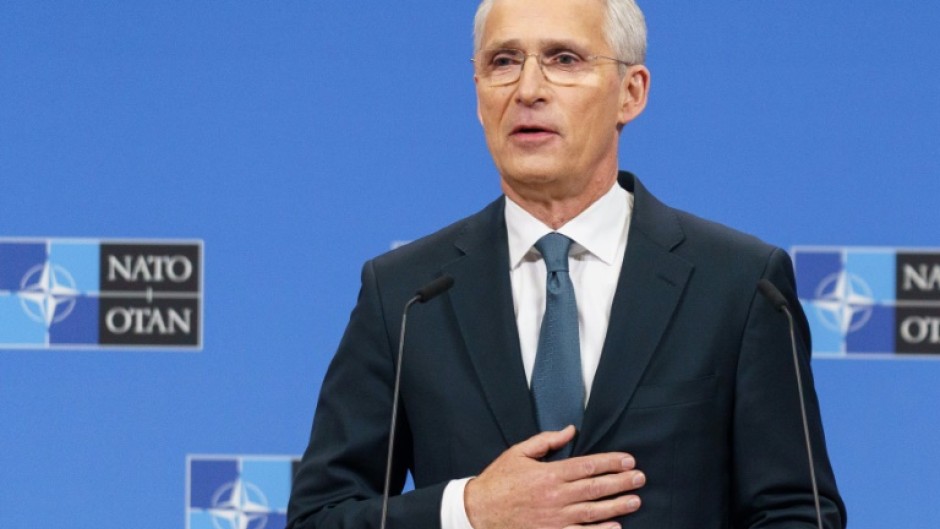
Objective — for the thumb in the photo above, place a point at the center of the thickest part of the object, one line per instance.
(541, 444)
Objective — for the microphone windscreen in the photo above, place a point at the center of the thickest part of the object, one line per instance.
(772, 293)
(434, 288)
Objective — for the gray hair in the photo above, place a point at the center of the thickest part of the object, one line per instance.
(625, 29)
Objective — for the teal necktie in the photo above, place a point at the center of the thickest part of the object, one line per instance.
(557, 387)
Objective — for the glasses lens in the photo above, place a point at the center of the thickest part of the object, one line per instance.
(565, 67)
(501, 66)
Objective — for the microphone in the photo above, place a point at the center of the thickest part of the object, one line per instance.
(432, 290)
(423, 295)
(772, 293)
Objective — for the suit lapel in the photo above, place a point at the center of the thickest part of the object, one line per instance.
(651, 282)
(482, 301)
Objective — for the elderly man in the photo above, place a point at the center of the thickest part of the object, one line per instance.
(602, 361)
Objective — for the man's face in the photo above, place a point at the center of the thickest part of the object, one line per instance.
(543, 137)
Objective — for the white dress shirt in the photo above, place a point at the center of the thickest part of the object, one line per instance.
(600, 239)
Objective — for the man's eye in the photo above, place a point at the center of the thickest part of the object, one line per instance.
(566, 59)
(504, 60)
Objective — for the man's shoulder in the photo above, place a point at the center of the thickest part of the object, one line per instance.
(446, 244)
(719, 252)
(689, 234)
(703, 233)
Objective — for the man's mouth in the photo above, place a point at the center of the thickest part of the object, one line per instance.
(531, 129)
(533, 135)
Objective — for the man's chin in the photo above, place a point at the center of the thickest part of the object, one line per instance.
(534, 168)
(531, 177)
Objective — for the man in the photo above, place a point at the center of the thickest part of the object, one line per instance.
(685, 411)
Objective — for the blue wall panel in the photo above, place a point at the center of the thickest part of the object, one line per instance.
(297, 139)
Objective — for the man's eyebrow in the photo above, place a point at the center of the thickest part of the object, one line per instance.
(505, 44)
(561, 44)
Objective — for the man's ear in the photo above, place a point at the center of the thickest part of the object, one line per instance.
(476, 82)
(634, 91)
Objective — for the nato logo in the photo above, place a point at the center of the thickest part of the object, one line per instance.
(78, 293)
(238, 492)
(866, 302)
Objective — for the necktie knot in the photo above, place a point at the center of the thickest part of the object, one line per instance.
(554, 248)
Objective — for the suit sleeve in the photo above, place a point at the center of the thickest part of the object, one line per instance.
(771, 478)
(339, 481)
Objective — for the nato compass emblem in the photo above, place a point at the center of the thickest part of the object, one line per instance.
(238, 492)
(47, 293)
(844, 302)
(239, 505)
(80, 294)
(870, 302)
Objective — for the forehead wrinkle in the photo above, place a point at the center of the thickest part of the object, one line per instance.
(542, 44)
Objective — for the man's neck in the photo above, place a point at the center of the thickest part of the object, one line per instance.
(555, 209)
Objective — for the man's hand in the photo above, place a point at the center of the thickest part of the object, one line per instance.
(517, 491)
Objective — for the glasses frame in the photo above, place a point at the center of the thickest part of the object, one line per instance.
(591, 59)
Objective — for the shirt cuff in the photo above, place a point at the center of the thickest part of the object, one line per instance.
(453, 511)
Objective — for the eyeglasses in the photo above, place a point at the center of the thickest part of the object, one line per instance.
(501, 67)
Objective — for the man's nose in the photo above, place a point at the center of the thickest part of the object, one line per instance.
(532, 79)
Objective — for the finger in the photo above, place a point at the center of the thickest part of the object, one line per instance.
(538, 445)
(605, 525)
(577, 468)
(596, 512)
(605, 486)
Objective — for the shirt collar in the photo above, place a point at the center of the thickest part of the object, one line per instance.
(597, 230)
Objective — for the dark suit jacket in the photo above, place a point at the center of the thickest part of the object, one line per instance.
(695, 380)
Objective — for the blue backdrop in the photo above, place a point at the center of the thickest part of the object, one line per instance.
(297, 139)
